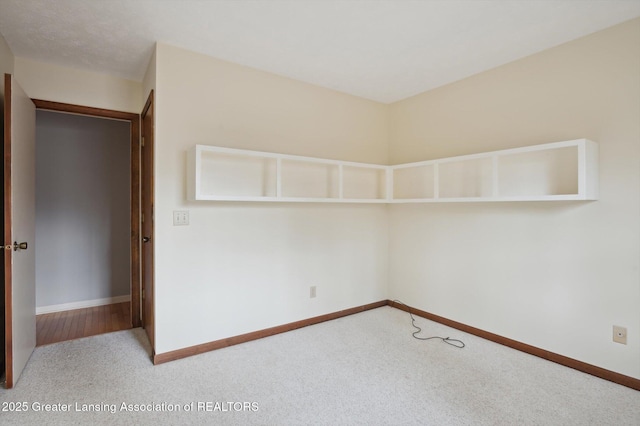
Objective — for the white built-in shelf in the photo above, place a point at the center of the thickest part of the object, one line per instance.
(555, 171)
(228, 174)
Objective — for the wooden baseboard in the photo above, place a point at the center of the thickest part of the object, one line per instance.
(602, 373)
(223, 343)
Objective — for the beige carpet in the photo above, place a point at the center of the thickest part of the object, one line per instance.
(363, 369)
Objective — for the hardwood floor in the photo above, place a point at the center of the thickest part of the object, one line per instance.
(68, 325)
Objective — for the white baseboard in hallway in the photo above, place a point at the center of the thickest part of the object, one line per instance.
(82, 304)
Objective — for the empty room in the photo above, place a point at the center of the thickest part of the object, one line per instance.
(321, 212)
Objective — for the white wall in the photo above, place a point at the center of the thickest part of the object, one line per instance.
(241, 267)
(6, 67)
(82, 208)
(149, 80)
(51, 82)
(556, 275)
(6, 58)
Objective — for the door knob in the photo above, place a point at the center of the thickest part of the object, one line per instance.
(146, 239)
(19, 246)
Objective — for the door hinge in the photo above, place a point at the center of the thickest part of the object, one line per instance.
(143, 141)
(142, 217)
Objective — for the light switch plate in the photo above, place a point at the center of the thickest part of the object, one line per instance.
(180, 217)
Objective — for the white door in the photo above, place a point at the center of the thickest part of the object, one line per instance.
(19, 229)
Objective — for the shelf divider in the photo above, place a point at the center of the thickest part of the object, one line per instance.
(436, 181)
(494, 176)
(340, 182)
(278, 177)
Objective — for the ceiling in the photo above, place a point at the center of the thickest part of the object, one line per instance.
(384, 50)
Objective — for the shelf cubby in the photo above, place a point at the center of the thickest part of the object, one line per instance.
(364, 183)
(305, 179)
(465, 178)
(414, 182)
(539, 173)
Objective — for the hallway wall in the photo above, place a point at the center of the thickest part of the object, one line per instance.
(82, 209)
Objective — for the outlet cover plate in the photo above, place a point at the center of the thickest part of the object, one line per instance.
(620, 334)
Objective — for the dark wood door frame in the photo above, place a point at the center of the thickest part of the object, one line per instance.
(134, 119)
(147, 206)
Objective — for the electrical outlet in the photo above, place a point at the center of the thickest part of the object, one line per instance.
(312, 291)
(620, 334)
(180, 217)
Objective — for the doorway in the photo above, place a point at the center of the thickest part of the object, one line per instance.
(82, 226)
(118, 314)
